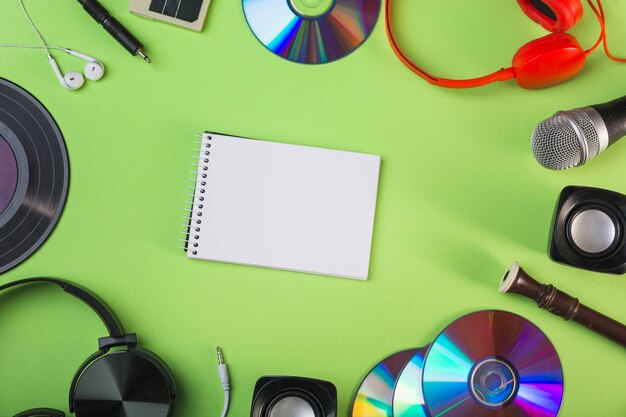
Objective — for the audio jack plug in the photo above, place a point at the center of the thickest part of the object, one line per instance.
(142, 54)
(115, 28)
(222, 369)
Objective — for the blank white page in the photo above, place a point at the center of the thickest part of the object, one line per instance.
(284, 206)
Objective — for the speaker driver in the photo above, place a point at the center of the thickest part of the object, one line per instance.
(287, 396)
(292, 405)
(592, 231)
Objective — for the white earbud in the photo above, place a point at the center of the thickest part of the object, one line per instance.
(94, 69)
(72, 80)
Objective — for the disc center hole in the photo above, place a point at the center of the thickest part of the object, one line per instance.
(310, 9)
(493, 382)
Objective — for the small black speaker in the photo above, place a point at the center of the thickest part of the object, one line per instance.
(288, 396)
(588, 230)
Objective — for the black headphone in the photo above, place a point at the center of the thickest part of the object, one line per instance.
(126, 381)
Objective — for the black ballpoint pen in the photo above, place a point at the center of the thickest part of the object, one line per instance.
(114, 27)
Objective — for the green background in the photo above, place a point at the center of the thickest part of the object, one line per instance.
(460, 197)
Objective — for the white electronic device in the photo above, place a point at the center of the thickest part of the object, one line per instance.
(189, 14)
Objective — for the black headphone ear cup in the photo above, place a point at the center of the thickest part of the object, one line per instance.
(41, 412)
(130, 383)
(78, 373)
(161, 365)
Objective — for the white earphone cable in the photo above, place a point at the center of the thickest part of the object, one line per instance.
(94, 70)
(32, 24)
(19, 45)
(226, 403)
(222, 370)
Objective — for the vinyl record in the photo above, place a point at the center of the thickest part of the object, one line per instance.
(311, 31)
(492, 364)
(408, 398)
(34, 174)
(374, 396)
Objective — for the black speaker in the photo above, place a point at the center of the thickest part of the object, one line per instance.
(288, 396)
(588, 230)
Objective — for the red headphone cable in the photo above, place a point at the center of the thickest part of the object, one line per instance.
(599, 12)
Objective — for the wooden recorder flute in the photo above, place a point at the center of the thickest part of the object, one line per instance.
(548, 297)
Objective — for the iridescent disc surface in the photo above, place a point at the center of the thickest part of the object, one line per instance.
(408, 398)
(311, 31)
(492, 364)
(373, 399)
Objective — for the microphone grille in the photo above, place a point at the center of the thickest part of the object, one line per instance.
(556, 143)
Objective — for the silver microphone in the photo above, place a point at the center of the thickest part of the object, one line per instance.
(572, 137)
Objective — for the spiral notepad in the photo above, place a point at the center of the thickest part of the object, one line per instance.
(283, 206)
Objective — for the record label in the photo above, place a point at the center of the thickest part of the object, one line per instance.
(8, 174)
(311, 31)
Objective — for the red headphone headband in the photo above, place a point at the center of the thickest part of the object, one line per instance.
(501, 75)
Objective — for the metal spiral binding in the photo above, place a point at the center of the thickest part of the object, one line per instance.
(193, 225)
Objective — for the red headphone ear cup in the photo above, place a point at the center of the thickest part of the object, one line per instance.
(548, 61)
(554, 15)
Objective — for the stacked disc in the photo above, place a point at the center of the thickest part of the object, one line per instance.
(485, 364)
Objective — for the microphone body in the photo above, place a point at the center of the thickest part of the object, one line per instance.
(548, 297)
(613, 114)
(572, 137)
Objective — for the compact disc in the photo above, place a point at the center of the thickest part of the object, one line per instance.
(34, 174)
(373, 399)
(492, 364)
(408, 399)
(311, 31)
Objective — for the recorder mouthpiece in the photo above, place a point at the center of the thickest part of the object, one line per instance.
(517, 281)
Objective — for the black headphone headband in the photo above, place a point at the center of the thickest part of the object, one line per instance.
(110, 320)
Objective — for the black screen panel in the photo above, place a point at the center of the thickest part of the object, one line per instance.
(187, 10)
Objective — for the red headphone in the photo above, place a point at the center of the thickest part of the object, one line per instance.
(540, 63)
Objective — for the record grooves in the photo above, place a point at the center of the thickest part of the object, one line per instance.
(34, 174)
